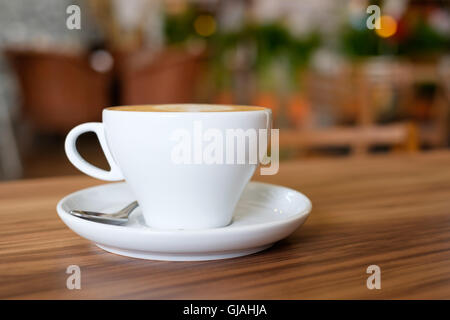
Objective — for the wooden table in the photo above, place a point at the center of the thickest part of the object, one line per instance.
(391, 211)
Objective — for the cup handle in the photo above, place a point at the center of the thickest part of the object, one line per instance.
(75, 158)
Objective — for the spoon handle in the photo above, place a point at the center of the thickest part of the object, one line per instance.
(125, 212)
(119, 217)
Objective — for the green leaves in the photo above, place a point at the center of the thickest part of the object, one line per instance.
(271, 43)
(178, 28)
(419, 38)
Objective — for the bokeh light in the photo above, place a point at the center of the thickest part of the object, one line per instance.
(205, 25)
(388, 27)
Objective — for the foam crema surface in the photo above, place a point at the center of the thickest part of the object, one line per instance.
(186, 108)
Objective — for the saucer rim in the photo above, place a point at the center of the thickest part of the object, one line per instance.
(304, 213)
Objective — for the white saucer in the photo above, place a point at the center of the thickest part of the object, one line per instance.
(265, 214)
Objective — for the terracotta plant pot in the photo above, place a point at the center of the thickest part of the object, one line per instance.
(170, 76)
(224, 97)
(59, 90)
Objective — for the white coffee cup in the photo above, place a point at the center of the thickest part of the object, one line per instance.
(139, 143)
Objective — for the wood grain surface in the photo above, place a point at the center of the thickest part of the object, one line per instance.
(392, 211)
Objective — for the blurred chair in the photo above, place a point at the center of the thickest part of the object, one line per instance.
(435, 132)
(401, 136)
(59, 90)
(443, 100)
(347, 95)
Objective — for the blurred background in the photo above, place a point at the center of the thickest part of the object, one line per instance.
(336, 87)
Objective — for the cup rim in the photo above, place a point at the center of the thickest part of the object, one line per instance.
(250, 107)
